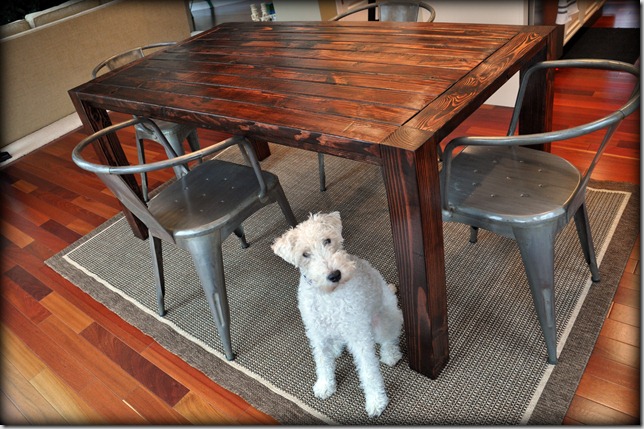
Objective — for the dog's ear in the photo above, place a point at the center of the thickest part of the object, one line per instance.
(283, 247)
(334, 220)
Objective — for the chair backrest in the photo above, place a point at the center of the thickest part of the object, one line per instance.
(608, 123)
(113, 178)
(394, 10)
(126, 57)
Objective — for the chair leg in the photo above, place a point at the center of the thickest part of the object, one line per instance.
(239, 232)
(284, 205)
(322, 173)
(159, 280)
(586, 240)
(537, 252)
(193, 142)
(209, 263)
(177, 146)
(140, 150)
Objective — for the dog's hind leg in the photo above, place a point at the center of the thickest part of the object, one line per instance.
(337, 347)
(387, 331)
(390, 353)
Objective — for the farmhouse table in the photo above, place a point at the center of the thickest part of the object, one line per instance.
(379, 92)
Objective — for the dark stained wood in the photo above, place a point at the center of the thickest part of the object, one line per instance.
(109, 151)
(28, 283)
(23, 301)
(417, 232)
(208, 403)
(536, 112)
(385, 93)
(134, 364)
(454, 105)
(296, 76)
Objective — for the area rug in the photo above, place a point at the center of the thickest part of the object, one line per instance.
(497, 372)
(620, 44)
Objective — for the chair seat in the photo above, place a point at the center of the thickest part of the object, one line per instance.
(168, 128)
(196, 212)
(510, 185)
(191, 205)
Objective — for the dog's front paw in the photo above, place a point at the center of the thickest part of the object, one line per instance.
(324, 388)
(376, 404)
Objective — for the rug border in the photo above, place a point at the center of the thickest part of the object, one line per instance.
(551, 407)
(256, 393)
(557, 395)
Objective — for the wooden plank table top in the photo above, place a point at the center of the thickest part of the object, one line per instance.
(380, 92)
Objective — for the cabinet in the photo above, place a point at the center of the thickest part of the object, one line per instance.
(581, 13)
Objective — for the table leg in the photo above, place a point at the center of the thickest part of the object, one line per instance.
(110, 152)
(536, 113)
(262, 151)
(412, 184)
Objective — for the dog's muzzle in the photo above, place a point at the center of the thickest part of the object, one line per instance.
(335, 276)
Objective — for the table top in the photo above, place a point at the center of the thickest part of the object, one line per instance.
(379, 92)
(338, 87)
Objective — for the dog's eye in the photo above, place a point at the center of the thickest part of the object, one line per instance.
(326, 241)
(306, 254)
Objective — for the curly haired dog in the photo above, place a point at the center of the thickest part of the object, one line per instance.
(343, 301)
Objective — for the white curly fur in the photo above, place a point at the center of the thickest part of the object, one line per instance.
(344, 302)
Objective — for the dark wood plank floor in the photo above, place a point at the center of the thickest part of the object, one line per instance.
(67, 359)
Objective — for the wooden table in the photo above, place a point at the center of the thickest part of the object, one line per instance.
(383, 93)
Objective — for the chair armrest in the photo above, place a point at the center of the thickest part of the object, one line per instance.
(609, 122)
(249, 153)
(153, 166)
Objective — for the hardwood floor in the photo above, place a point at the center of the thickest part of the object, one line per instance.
(609, 391)
(67, 359)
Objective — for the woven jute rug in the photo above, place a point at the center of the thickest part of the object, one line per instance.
(497, 372)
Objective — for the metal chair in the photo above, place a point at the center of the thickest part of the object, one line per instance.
(197, 211)
(528, 195)
(396, 11)
(175, 133)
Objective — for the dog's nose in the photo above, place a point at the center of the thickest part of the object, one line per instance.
(334, 276)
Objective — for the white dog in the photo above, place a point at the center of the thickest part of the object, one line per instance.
(343, 301)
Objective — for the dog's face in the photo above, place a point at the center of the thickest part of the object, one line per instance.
(315, 247)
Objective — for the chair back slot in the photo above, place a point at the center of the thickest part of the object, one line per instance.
(398, 12)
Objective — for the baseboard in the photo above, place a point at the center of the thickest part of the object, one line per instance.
(39, 138)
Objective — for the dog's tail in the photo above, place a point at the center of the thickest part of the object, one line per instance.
(392, 287)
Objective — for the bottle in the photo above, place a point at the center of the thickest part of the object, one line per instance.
(254, 13)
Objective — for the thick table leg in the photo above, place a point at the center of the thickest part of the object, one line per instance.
(536, 113)
(262, 151)
(412, 183)
(109, 151)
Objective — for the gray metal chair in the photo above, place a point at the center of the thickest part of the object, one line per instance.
(175, 133)
(497, 184)
(395, 11)
(197, 211)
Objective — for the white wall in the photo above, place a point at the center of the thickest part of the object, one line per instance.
(289, 10)
(481, 12)
(486, 12)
